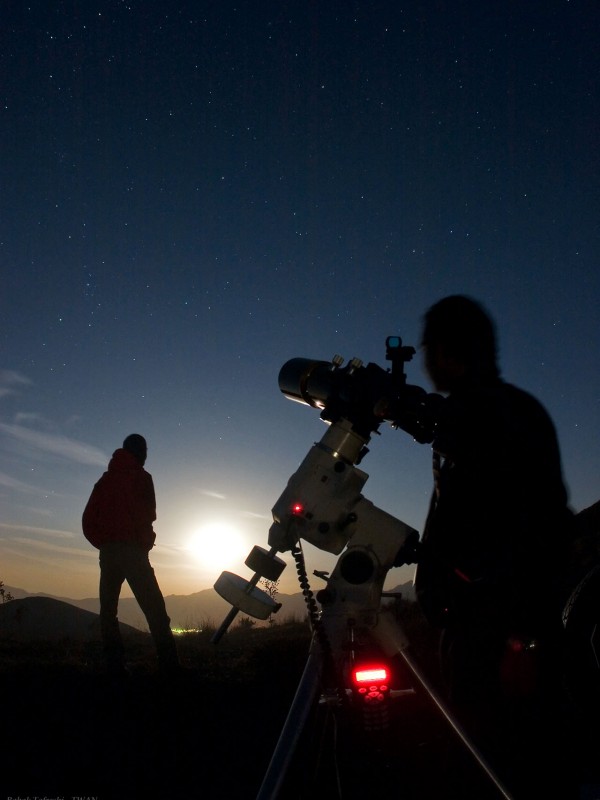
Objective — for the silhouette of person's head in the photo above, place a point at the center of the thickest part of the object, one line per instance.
(459, 340)
(136, 445)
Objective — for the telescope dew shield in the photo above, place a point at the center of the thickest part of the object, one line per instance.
(307, 381)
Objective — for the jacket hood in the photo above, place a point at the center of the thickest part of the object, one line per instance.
(123, 460)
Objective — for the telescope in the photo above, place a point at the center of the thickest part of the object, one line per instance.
(365, 395)
(322, 502)
(354, 633)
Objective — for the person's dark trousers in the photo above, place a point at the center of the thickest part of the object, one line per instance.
(122, 561)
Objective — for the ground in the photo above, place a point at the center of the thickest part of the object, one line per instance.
(68, 730)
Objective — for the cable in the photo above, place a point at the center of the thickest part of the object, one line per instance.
(329, 668)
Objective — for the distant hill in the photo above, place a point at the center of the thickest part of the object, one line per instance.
(186, 611)
(46, 619)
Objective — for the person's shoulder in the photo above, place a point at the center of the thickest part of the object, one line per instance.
(530, 420)
(146, 479)
(497, 403)
(524, 398)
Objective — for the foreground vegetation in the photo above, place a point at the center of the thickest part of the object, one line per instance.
(71, 730)
(239, 657)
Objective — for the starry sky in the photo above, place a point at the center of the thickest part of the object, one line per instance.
(195, 192)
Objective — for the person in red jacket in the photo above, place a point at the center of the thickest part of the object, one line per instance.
(117, 520)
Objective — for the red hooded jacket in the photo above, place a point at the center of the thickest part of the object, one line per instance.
(122, 506)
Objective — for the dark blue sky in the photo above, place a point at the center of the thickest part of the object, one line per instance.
(195, 192)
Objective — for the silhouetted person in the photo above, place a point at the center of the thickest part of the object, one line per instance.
(494, 549)
(581, 617)
(118, 521)
(587, 524)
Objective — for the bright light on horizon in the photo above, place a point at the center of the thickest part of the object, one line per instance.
(218, 545)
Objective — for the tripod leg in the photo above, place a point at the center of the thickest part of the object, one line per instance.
(458, 730)
(302, 703)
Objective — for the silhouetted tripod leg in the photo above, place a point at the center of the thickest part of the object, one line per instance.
(294, 729)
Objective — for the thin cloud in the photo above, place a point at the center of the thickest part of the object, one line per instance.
(216, 495)
(20, 486)
(56, 445)
(23, 416)
(33, 548)
(9, 379)
(34, 529)
(254, 515)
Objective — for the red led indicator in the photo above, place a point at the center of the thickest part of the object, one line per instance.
(297, 508)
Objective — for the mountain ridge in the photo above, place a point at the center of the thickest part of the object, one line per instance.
(41, 618)
(195, 610)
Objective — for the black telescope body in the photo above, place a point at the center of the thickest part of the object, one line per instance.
(350, 392)
(365, 395)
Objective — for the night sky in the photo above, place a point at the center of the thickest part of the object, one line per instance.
(195, 192)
